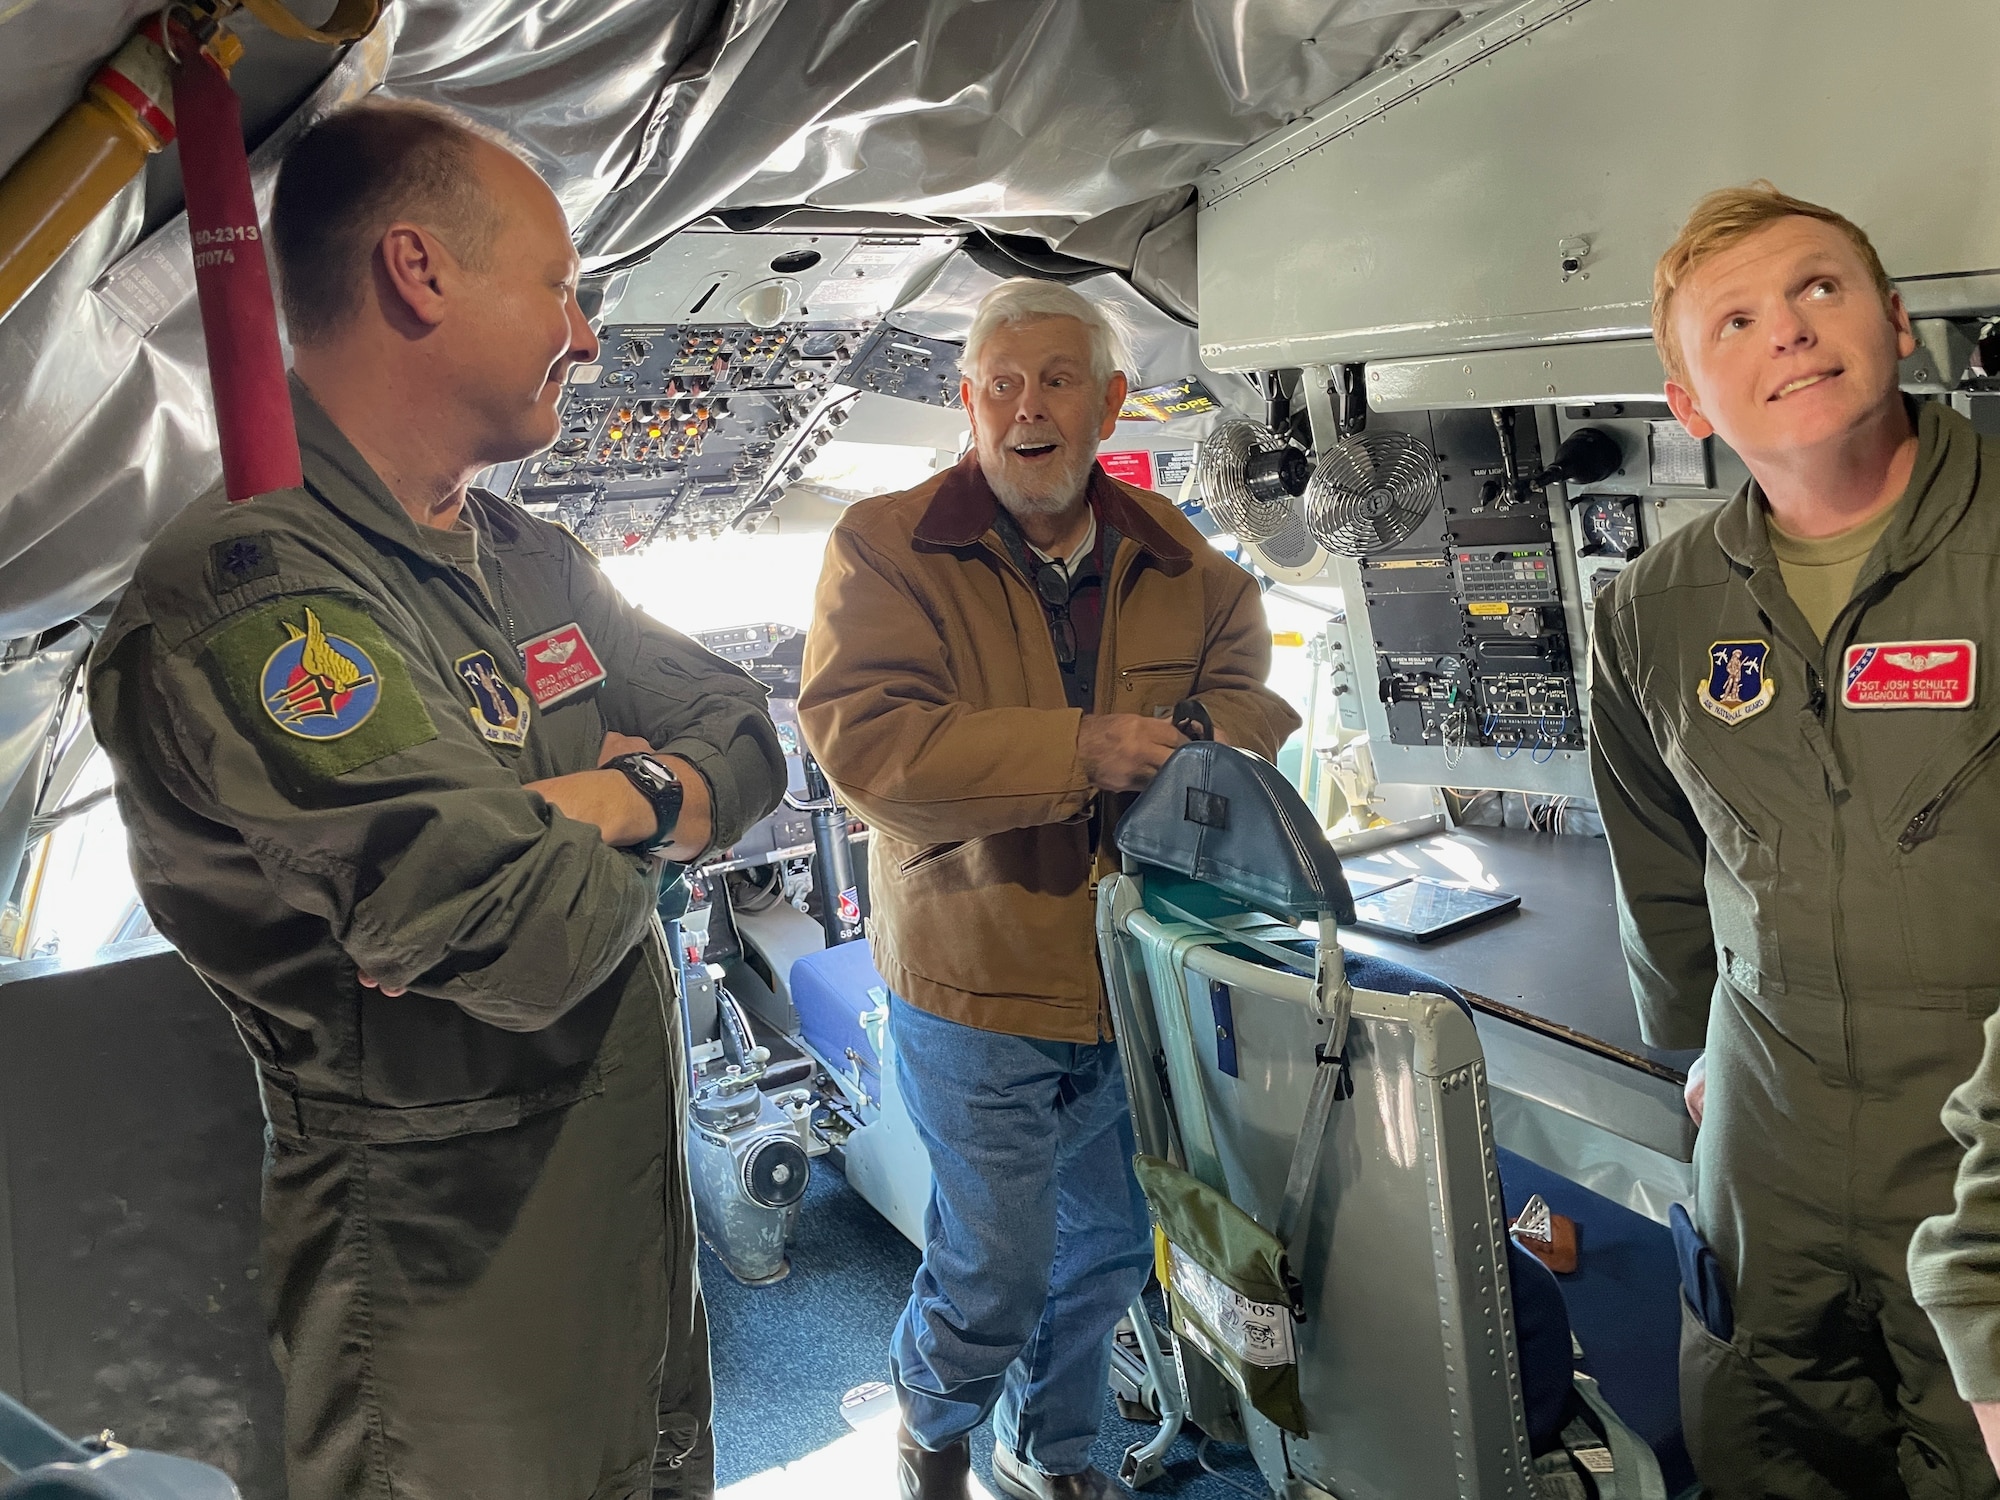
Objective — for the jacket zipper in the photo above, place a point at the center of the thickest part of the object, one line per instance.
(1923, 827)
(1851, 612)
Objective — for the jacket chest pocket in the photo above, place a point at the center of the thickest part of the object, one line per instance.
(1947, 862)
(1147, 686)
(1741, 879)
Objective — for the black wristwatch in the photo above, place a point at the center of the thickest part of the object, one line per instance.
(658, 786)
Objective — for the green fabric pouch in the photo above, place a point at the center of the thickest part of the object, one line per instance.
(1230, 1291)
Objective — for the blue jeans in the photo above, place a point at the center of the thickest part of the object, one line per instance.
(1036, 1239)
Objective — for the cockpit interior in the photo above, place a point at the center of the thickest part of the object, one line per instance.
(1420, 1180)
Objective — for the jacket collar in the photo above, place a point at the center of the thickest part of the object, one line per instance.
(963, 508)
(1940, 489)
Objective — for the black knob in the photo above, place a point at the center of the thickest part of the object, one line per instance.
(1586, 456)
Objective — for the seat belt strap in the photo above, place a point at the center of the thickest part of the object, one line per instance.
(1244, 930)
(1330, 1079)
(1330, 1082)
(1166, 972)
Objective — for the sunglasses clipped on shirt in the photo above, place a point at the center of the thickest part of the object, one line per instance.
(1052, 582)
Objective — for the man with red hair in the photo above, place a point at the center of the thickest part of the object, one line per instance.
(1792, 755)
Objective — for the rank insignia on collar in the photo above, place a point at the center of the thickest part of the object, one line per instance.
(1738, 685)
(319, 686)
(499, 709)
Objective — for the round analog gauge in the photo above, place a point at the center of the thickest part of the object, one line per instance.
(1611, 527)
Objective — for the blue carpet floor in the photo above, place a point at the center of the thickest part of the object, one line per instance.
(785, 1354)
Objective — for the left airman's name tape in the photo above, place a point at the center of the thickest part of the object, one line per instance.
(316, 682)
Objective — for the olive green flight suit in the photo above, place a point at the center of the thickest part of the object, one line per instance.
(478, 1239)
(1808, 891)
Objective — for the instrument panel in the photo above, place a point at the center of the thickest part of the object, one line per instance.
(692, 430)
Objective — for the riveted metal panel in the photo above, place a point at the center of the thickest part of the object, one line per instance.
(1428, 210)
(1404, 1219)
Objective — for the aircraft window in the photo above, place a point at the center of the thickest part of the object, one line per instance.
(75, 894)
(863, 469)
(1300, 675)
(727, 580)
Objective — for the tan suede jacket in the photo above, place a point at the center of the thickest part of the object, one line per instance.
(933, 700)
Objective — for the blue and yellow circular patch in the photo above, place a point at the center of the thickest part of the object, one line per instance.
(319, 686)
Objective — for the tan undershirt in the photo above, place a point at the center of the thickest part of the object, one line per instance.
(460, 547)
(1819, 571)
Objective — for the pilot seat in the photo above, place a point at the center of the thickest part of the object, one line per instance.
(1316, 1144)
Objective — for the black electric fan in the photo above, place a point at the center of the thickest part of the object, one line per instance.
(1251, 479)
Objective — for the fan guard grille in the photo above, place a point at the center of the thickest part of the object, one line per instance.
(1370, 492)
(1220, 462)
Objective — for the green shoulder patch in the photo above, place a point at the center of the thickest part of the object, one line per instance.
(317, 684)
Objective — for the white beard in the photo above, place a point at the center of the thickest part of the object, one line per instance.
(1063, 488)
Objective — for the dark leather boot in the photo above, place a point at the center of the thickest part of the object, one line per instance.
(924, 1475)
(1023, 1482)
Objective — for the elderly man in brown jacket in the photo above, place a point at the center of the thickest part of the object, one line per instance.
(997, 658)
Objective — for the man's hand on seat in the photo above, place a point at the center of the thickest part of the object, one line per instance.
(1696, 1089)
(1124, 752)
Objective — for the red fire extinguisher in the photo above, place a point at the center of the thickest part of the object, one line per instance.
(239, 318)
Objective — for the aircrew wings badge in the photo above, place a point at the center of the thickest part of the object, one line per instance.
(1738, 685)
(1909, 674)
(560, 665)
(499, 709)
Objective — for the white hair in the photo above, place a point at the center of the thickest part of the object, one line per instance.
(1025, 299)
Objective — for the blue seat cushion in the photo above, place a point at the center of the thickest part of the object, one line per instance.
(1624, 1302)
(1542, 1333)
(830, 991)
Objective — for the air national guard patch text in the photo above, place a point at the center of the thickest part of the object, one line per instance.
(499, 709)
(1738, 685)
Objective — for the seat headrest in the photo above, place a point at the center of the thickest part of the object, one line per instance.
(1228, 819)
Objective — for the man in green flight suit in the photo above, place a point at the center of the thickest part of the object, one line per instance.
(398, 766)
(1793, 736)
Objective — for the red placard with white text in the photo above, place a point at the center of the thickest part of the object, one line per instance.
(560, 664)
(1909, 674)
(1131, 468)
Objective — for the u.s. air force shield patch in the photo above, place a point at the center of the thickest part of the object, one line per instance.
(1738, 685)
(315, 682)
